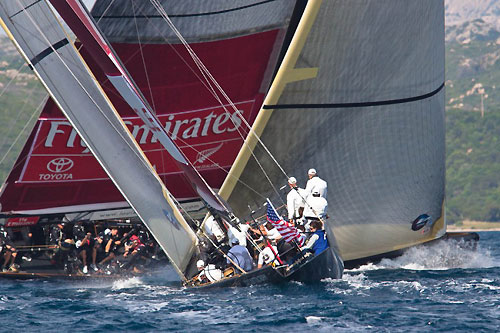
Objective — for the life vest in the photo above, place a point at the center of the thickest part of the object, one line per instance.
(321, 243)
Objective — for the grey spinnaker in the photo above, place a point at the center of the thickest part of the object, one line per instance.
(360, 97)
(44, 44)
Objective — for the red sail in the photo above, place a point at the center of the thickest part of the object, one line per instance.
(56, 170)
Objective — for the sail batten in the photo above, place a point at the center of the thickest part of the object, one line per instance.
(82, 100)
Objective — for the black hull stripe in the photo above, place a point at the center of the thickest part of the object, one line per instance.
(353, 105)
(48, 51)
(184, 15)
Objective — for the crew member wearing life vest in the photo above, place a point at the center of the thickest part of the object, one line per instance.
(317, 242)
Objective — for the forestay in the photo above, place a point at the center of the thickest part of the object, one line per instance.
(360, 97)
(45, 46)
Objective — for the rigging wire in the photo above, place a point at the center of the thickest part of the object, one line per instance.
(209, 78)
(19, 113)
(141, 158)
(12, 80)
(63, 61)
(146, 73)
(37, 111)
(213, 92)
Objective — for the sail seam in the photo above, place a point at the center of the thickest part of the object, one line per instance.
(22, 10)
(39, 57)
(353, 105)
(185, 15)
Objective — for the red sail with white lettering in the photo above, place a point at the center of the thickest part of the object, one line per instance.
(56, 173)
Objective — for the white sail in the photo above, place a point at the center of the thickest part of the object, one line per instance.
(360, 97)
(44, 44)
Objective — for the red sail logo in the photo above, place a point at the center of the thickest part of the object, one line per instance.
(210, 138)
(61, 164)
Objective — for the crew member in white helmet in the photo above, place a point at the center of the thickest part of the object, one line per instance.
(295, 200)
(208, 273)
(316, 184)
(316, 208)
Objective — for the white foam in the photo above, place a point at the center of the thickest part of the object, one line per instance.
(313, 319)
(439, 256)
(127, 283)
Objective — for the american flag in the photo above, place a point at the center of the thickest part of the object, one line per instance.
(288, 232)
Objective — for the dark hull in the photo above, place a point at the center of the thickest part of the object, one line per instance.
(22, 275)
(313, 269)
(43, 268)
(470, 239)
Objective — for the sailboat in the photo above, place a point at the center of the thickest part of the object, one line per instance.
(354, 90)
(43, 43)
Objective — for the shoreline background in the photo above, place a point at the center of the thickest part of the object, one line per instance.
(471, 226)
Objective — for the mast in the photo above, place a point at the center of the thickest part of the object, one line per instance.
(82, 24)
(238, 43)
(34, 29)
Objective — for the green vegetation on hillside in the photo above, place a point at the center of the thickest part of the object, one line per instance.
(473, 136)
(473, 166)
(21, 96)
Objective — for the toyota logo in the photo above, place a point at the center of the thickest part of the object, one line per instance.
(60, 164)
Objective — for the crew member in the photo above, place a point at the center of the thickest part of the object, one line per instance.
(132, 252)
(316, 184)
(295, 200)
(213, 230)
(208, 273)
(112, 242)
(316, 207)
(240, 255)
(267, 256)
(317, 243)
(9, 252)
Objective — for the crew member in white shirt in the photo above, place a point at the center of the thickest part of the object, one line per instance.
(316, 208)
(316, 184)
(213, 230)
(295, 200)
(238, 235)
(208, 272)
(267, 256)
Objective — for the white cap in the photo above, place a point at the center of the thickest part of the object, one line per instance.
(311, 172)
(292, 180)
(200, 263)
(107, 231)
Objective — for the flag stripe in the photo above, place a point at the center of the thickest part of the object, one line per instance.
(288, 232)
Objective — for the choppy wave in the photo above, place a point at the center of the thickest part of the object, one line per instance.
(444, 287)
(442, 255)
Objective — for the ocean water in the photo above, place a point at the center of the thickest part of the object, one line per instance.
(438, 288)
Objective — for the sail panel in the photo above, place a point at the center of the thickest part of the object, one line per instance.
(243, 65)
(62, 71)
(197, 20)
(360, 98)
(89, 34)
